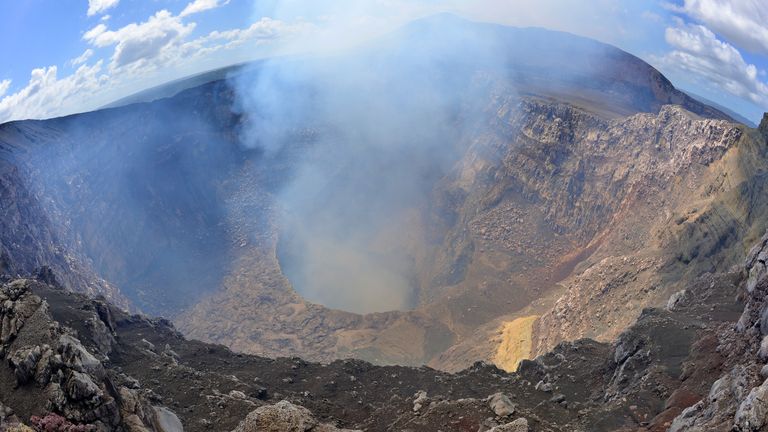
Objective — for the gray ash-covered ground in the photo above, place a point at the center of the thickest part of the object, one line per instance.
(662, 365)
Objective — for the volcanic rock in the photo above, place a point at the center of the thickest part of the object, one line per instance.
(501, 405)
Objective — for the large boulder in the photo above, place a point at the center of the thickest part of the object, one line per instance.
(283, 417)
(280, 417)
(501, 405)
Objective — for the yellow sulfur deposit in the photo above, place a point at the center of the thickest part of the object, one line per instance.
(515, 343)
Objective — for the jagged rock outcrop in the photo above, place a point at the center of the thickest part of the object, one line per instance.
(53, 368)
(737, 400)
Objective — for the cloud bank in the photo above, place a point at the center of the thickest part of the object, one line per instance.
(715, 63)
(744, 23)
(142, 53)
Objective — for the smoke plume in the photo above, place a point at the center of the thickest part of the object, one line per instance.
(387, 121)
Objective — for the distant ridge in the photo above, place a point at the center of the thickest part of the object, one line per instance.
(552, 64)
(172, 88)
(736, 116)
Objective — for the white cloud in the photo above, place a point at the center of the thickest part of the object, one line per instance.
(264, 30)
(144, 54)
(99, 6)
(744, 23)
(4, 86)
(141, 41)
(202, 5)
(699, 53)
(235, 45)
(94, 33)
(87, 54)
(46, 95)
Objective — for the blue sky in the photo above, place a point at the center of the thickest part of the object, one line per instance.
(66, 56)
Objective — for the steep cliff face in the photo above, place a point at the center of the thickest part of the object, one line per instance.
(33, 241)
(611, 216)
(700, 215)
(122, 189)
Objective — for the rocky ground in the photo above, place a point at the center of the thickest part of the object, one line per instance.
(99, 367)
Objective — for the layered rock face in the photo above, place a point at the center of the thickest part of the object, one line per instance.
(97, 189)
(677, 197)
(700, 216)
